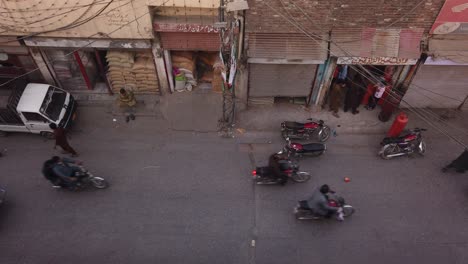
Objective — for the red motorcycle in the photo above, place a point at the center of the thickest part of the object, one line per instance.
(404, 145)
(298, 150)
(298, 130)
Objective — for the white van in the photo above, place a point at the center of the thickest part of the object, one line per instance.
(33, 107)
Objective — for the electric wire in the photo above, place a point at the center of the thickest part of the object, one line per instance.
(371, 76)
(82, 47)
(308, 17)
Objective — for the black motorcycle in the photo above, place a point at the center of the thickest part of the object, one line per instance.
(298, 150)
(298, 130)
(405, 145)
(82, 179)
(460, 164)
(265, 175)
(303, 212)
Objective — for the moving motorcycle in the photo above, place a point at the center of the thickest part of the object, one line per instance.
(298, 130)
(265, 175)
(303, 212)
(298, 150)
(82, 179)
(404, 145)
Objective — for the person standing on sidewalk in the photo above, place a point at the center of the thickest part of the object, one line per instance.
(379, 91)
(61, 140)
(336, 97)
(127, 102)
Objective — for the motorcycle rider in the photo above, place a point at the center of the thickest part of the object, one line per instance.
(274, 164)
(47, 171)
(318, 203)
(61, 171)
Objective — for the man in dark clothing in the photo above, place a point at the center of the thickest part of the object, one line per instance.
(318, 203)
(47, 171)
(337, 93)
(274, 164)
(354, 96)
(61, 139)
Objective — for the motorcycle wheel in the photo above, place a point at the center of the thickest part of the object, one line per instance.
(324, 134)
(422, 148)
(348, 210)
(388, 150)
(99, 182)
(300, 176)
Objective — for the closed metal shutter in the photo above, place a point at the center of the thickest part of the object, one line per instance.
(286, 46)
(438, 86)
(190, 41)
(289, 80)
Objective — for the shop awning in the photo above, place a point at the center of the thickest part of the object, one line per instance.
(376, 43)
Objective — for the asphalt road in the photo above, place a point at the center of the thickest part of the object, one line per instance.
(182, 197)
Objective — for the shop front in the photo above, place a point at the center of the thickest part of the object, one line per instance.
(282, 67)
(80, 65)
(362, 61)
(190, 44)
(15, 61)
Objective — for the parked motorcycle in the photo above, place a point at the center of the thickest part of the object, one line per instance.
(404, 145)
(303, 212)
(298, 130)
(84, 178)
(460, 164)
(265, 175)
(297, 150)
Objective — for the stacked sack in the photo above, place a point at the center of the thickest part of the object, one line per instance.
(120, 69)
(125, 71)
(145, 70)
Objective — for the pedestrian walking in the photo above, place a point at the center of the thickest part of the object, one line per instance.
(379, 91)
(61, 140)
(127, 103)
(336, 97)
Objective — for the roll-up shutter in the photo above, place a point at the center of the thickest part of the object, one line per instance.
(438, 86)
(287, 46)
(289, 80)
(190, 41)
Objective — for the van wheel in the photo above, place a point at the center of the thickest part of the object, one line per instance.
(48, 135)
(3, 133)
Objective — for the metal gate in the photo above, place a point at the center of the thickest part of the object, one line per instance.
(274, 80)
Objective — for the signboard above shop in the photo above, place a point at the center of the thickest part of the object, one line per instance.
(452, 19)
(376, 61)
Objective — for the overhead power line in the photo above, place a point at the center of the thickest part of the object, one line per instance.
(368, 74)
(84, 46)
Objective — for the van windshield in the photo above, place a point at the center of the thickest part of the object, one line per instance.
(53, 103)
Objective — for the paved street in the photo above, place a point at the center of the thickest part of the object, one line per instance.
(183, 197)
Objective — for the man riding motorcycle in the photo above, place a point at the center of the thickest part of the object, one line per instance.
(318, 203)
(275, 162)
(60, 171)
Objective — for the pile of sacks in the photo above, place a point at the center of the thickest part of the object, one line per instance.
(183, 64)
(135, 72)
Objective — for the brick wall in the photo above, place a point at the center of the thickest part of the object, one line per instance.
(327, 14)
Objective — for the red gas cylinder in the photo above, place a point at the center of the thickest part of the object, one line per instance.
(370, 92)
(398, 125)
